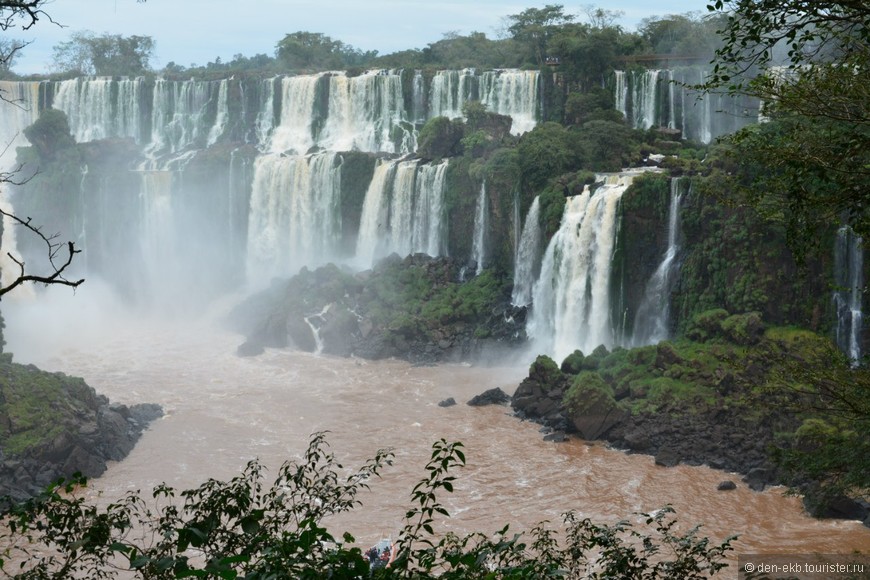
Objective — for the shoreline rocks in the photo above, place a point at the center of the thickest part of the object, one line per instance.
(72, 430)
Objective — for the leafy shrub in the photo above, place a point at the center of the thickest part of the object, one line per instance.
(241, 528)
(440, 137)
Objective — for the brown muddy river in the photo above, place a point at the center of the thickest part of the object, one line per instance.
(222, 411)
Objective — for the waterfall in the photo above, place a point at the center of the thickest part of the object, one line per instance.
(265, 121)
(699, 116)
(402, 211)
(223, 113)
(429, 236)
(571, 299)
(478, 246)
(651, 323)
(374, 221)
(449, 91)
(274, 203)
(528, 256)
(849, 280)
(294, 132)
(294, 218)
(100, 108)
(418, 98)
(180, 118)
(363, 113)
(513, 93)
(621, 96)
(161, 268)
(644, 101)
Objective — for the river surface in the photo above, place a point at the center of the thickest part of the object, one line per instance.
(223, 410)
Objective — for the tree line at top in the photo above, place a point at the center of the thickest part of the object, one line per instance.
(588, 45)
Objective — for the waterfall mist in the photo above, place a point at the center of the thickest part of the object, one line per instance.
(192, 189)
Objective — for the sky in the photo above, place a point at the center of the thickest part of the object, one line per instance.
(198, 31)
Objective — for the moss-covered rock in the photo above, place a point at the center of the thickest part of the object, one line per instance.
(52, 425)
(590, 406)
(415, 308)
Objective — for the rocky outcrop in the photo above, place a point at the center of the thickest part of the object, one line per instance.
(490, 397)
(683, 402)
(53, 425)
(419, 308)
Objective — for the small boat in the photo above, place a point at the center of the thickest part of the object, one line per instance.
(382, 554)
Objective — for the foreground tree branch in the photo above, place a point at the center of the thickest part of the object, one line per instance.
(54, 248)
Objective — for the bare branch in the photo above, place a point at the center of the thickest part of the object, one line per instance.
(53, 248)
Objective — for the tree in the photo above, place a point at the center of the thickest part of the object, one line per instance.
(21, 13)
(315, 50)
(600, 17)
(682, 34)
(106, 54)
(828, 457)
(533, 27)
(9, 52)
(806, 62)
(808, 168)
(545, 152)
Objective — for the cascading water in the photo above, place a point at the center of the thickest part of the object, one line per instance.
(449, 91)
(418, 98)
(101, 108)
(478, 246)
(621, 93)
(294, 218)
(505, 91)
(571, 299)
(180, 120)
(294, 132)
(849, 280)
(374, 221)
(159, 243)
(402, 211)
(644, 101)
(428, 230)
(528, 256)
(513, 93)
(651, 323)
(698, 116)
(223, 114)
(364, 111)
(277, 196)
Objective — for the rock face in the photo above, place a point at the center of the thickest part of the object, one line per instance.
(683, 402)
(490, 397)
(418, 308)
(52, 426)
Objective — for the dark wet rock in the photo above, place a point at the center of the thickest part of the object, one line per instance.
(726, 485)
(494, 396)
(556, 437)
(841, 507)
(357, 314)
(338, 331)
(758, 478)
(98, 432)
(300, 333)
(667, 458)
(250, 348)
(449, 402)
